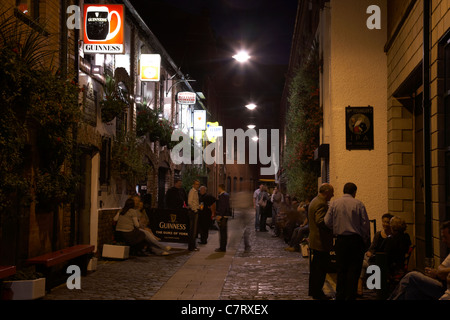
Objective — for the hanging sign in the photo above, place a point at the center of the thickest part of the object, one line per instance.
(213, 131)
(359, 128)
(103, 28)
(150, 67)
(186, 98)
(199, 120)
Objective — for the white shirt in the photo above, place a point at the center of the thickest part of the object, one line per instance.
(347, 216)
(193, 200)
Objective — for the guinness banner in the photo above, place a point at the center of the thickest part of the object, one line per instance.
(170, 225)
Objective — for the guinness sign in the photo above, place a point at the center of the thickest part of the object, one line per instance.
(103, 29)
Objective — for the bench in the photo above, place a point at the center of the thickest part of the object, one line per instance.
(6, 271)
(78, 255)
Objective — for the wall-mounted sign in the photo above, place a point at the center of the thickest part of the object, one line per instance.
(199, 120)
(186, 97)
(103, 28)
(150, 67)
(359, 128)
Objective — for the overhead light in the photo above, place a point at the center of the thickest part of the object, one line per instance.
(251, 126)
(241, 56)
(251, 106)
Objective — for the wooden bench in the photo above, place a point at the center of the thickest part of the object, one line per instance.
(6, 271)
(78, 255)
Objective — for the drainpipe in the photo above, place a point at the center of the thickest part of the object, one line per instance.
(426, 129)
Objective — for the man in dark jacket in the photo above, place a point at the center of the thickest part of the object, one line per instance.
(223, 210)
(320, 241)
(176, 197)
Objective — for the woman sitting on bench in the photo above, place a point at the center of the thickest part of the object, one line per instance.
(127, 227)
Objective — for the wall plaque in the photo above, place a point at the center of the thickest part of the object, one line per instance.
(359, 128)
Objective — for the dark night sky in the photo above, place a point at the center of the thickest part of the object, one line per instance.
(264, 26)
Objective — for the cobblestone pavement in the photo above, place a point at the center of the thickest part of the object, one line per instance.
(265, 271)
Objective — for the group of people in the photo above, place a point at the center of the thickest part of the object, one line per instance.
(203, 209)
(289, 216)
(343, 226)
(132, 228)
(132, 223)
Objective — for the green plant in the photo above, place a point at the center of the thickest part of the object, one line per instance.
(304, 118)
(149, 122)
(38, 110)
(128, 162)
(113, 103)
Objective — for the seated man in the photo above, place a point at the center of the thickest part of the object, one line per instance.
(429, 286)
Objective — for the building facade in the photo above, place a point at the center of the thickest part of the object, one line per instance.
(104, 184)
(390, 56)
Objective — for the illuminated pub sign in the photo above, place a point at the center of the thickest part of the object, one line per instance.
(359, 128)
(188, 98)
(150, 67)
(103, 28)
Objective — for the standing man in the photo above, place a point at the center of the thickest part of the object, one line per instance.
(348, 219)
(256, 206)
(176, 196)
(320, 241)
(207, 210)
(194, 206)
(222, 214)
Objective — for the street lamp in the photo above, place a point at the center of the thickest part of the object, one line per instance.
(241, 56)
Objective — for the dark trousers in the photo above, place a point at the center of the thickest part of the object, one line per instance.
(320, 263)
(349, 257)
(193, 227)
(204, 223)
(223, 233)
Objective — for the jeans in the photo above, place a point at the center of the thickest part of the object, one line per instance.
(418, 286)
(257, 217)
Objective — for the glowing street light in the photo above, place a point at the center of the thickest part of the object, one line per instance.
(242, 56)
(251, 106)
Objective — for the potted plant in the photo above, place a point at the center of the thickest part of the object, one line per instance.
(25, 285)
(113, 103)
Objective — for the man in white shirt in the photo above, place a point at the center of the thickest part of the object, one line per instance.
(348, 219)
(194, 206)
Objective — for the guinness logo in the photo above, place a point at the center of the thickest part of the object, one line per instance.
(173, 218)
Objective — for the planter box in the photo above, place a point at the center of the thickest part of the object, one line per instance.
(115, 252)
(27, 289)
